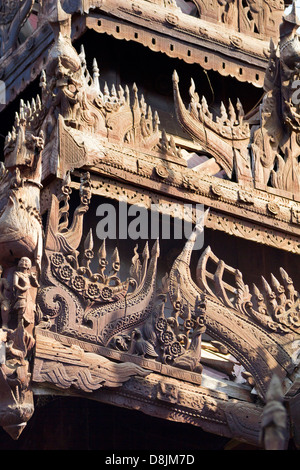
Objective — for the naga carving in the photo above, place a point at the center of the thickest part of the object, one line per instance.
(225, 137)
(260, 328)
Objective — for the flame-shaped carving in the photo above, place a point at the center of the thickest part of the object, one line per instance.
(225, 137)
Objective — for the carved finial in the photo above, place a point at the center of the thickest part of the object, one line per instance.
(59, 20)
(82, 53)
(89, 242)
(223, 111)
(33, 105)
(274, 435)
(17, 119)
(256, 291)
(173, 145)
(106, 90)
(121, 94)
(113, 91)
(115, 259)
(149, 113)
(143, 105)
(175, 77)
(288, 284)
(156, 121)
(192, 90)
(164, 141)
(96, 75)
(155, 249)
(275, 282)
(267, 286)
(127, 95)
(231, 112)
(102, 258)
(38, 102)
(13, 131)
(204, 103)
(240, 109)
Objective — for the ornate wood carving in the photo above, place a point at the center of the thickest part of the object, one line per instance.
(70, 324)
(225, 137)
(209, 407)
(259, 327)
(257, 18)
(19, 219)
(100, 308)
(21, 253)
(71, 95)
(18, 309)
(273, 143)
(66, 367)
(166, 29)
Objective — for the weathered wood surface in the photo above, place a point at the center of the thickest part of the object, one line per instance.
(217, 406)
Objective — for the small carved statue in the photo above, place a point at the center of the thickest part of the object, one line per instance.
(23, 280)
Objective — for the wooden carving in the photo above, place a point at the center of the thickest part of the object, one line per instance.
(260, 17)
(266, 154)
(260, 328)
(21, 182)
(124, 316)
(226, 137)
(274, 146)
(20, 257)
(13, 14)
(86, 371)
(18, 312)
(71, 95)
(212, 44)
(274, 420)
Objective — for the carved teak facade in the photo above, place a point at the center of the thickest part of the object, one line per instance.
(165, 102)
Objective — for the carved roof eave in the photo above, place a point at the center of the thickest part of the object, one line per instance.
(216, 405)
(213, 46)
(210, 48)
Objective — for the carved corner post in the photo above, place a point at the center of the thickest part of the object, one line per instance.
(20, 257)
